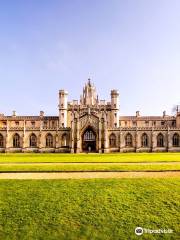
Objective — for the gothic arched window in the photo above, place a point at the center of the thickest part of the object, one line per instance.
(64, 140)
(128, 140)
(33, 140)
(160, 140)
(144, 140)
(176, 140)
(1, 141)
(49, 141)
(89, 136)
(16, 141)
(112, 140)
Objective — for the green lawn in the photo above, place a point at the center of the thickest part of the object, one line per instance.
(88, 167)
(116, 157)
(99, 209)
(108, 209)
(92, 162)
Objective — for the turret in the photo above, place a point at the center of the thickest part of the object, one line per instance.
(178, 117)
(63, 108)
(114, 108)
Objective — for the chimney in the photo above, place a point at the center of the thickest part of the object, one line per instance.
(137, 113)
(177, 109)
(14, 113)
(41, 113)
(164, 113)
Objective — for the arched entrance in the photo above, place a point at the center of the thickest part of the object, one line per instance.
(89, 140)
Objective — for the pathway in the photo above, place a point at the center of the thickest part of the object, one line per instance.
(89, 175)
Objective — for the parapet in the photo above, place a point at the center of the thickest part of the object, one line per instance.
(114, 92)
(63, 92)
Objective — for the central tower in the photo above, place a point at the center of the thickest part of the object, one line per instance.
(89, 96)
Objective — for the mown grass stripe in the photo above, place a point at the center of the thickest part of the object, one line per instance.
(165, 162)
(84, 171)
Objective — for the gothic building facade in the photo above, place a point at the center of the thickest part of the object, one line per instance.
(89, 125)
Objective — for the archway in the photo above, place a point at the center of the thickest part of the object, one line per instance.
(89, 140)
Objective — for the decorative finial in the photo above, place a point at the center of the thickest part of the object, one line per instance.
(89, 81)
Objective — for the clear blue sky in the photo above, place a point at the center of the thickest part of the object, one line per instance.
(130, 45)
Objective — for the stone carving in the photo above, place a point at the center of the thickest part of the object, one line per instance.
(89, 120)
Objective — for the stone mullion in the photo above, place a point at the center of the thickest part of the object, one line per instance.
(120, 139)
(78, 136)
(24, 135)
(40, 134)
(72, 136)
(7, 137)
(153, 140)
(136, 140)
(106, 147)
(167, 139)
(100, 131)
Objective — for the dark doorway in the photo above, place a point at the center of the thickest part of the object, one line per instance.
(89, 141)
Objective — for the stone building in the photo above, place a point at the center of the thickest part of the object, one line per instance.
(89, 125)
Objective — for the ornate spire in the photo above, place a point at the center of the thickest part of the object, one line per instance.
(89, 96)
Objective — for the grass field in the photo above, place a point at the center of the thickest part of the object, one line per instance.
(87, 167)
(90, 162)
(116, 157)
(96, 209)
(88, 209)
